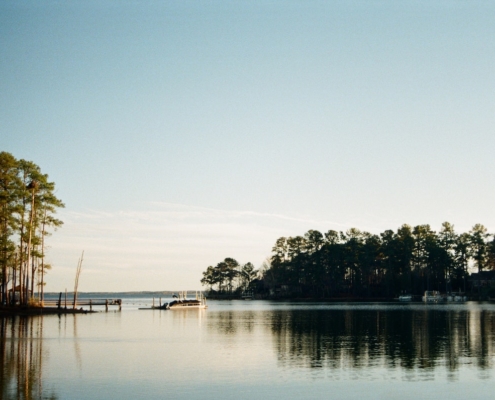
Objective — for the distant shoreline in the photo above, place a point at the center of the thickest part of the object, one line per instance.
(118, 294)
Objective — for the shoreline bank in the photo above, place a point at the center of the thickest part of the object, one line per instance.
(12, 311)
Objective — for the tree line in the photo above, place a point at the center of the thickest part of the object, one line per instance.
(229, 277)
(27, 215)
(356, 263)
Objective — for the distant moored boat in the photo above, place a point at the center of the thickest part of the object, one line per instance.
(182, 303)
(405, 297)
(432, 296)
(247, 295)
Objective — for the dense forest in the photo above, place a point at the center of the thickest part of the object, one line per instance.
(363, 265)
(27, 214)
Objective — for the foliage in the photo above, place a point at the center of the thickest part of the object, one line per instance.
(360, 264)
(27, 211)
(229, 276)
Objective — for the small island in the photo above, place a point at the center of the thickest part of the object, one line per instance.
(360, 266)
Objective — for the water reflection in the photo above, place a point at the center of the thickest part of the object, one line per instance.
(21, 357)
(406, 339)
(416, 341)
(269, 346)
(232, 322)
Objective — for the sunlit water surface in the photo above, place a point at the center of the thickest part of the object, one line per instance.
(253, 349)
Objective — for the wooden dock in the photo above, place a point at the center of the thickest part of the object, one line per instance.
(64, 303)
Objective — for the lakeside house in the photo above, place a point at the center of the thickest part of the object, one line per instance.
(482, 279)
(17, 293)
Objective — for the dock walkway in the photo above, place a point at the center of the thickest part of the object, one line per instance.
(63, 303)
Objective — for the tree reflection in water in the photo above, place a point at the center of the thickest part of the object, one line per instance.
(415, 340)
(407, 339)
(21, 356)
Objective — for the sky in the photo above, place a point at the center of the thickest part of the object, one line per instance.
(179, 133)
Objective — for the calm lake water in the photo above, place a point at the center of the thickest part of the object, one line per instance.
(253, 349)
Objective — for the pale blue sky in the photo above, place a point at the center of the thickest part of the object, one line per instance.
(270, 117)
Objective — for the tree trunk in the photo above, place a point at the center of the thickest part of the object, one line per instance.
(31, 220)
(42, 294)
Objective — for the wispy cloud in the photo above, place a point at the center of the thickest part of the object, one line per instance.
(162, 245)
